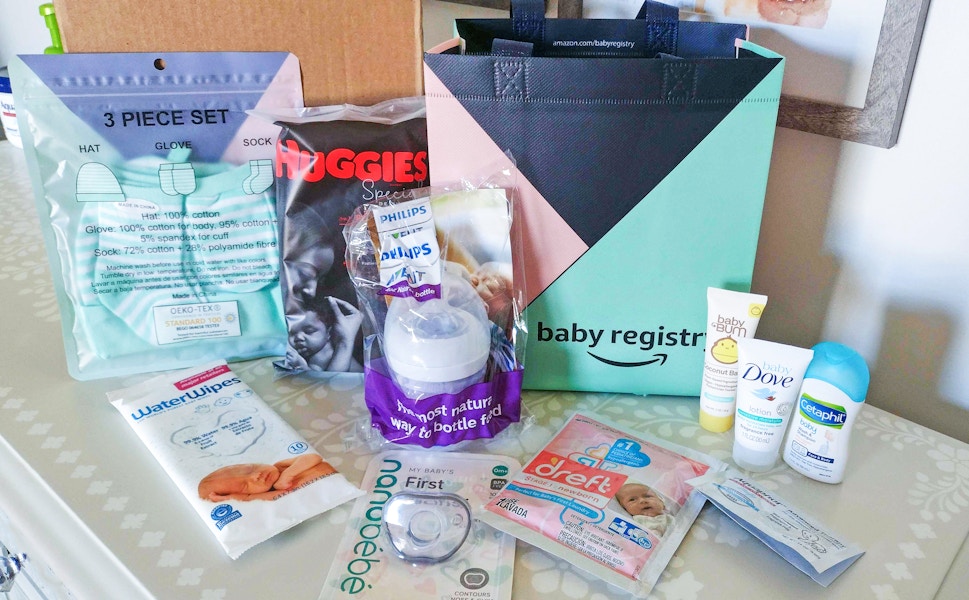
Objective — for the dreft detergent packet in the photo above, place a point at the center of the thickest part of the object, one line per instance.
(329, 161)
(613, 503)
(410, 536)
(156, 197)
(247, 473)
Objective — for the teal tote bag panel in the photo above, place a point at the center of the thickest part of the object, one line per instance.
(629, 315)
(640, 176)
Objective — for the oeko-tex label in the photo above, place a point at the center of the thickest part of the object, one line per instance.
(182, 322)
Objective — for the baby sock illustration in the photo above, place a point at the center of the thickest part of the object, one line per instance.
(261, 176)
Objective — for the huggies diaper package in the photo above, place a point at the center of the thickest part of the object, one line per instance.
(613, 503)
(244, 470)
(412, 534)
(442, 299)
(156, 199)
(329, 161)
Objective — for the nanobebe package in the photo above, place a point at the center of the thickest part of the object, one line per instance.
(413, 533)
(155, 192)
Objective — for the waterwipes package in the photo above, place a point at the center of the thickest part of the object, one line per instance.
(329, 161)
(613, 503)
(808, 545)
(413, 536)
(155, 192)
(442, 298)
(244, 470)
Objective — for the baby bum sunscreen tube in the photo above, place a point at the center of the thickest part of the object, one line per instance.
(768, 381)
(730, 316)
(831, 396)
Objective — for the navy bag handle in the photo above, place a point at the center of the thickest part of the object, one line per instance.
(528, 20)
(658, 11)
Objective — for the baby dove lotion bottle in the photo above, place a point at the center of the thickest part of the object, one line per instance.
(768, 383)
(831, 396)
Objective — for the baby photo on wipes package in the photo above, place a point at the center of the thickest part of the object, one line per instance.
(247, 473)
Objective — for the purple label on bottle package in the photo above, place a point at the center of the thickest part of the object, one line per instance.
(479, 411)
(421, 293)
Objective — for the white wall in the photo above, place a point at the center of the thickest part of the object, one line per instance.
(869, 247)
(22, 29)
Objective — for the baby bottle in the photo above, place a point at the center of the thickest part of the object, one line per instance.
(440, 345)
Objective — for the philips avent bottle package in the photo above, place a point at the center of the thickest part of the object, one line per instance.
(435, 275)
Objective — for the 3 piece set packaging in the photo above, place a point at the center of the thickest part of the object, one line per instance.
(193, 210)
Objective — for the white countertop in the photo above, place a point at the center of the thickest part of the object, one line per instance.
(111, 524)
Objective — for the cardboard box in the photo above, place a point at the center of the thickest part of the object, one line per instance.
(357, 51)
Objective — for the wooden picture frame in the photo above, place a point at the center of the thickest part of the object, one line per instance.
(877, 124)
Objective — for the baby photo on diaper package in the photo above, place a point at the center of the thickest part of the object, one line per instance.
(329, 161)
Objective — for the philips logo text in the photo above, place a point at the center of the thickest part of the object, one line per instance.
(400, 215)
(413, 252)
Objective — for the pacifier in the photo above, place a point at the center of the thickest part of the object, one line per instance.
(440, 345)
(426, 527)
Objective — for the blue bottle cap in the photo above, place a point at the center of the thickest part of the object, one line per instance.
(842, 367)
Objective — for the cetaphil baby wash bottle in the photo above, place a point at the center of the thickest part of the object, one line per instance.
(831, 397)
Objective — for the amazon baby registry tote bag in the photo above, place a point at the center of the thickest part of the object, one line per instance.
(642, 148)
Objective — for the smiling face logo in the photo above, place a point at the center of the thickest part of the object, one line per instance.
(724, 350)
